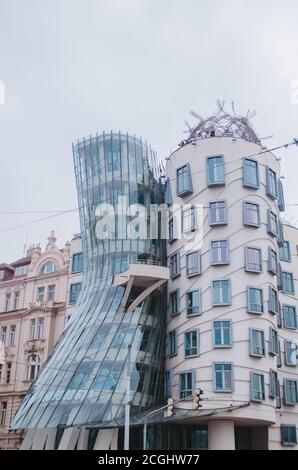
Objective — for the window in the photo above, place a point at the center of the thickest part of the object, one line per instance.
(278, 358)
(273, 301)
(186, 384)
(280, 233)
(272, 261)
(250, 173)
(172, 231)
(255, 303)
(218, 213)
(290, 391)
(193, 263)
(40, 328)
(16, 300)
(32, 328)
(75, 290)
(273, 342)
(33, 366)
(168, 192)
(1, 274)
(7, 301)
(173, 343)
(271, 183)
(175, 265)
(290, 353)
(40, 294)
(253, 259)
(184, 183)
(223, 380)
(215, 170)
(51, 292)
(221, 292)
(191, 343)
(274, 384)
(174, 302)
(112, 154)
(272, 227)
(12, 335)
(3, 334)
(48, 268)
(251, 214)
(169, 375)
(193, 302)
(222, 333)
(220, 252)
(257, 387)
(287, 281)
(3, 410)
(77, 263)
(285, 251)
(257, 342)
(281, 198)
(21, 270)
(1, 372)
(189, 219)
(288, 434)
(289, 317)
(8, 372)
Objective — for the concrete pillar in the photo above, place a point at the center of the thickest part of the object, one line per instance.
(221, 435)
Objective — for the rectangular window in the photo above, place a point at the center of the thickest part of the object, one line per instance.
(250, 173)
(191, 343)
(290, 353)
(257, 387)
(274, 384)
(7, 301)
(251, 214)
(189, 219)
(75, 290)
(175, 265)
(255, 303)
(169, 375)
(287, 281)
(186, 384)
(215, 170)
(3, 334)
(253, 259)
(272, 261)
(285, 251)
(220, 252)
(272, 226)
(271, 183)
(221, 292)
(257, 342)
(21, 270)
(281, 198)
(51, 292)
(223, 379)
(218, 213)
(222, 333)
(40, 294)
(273, 301)
(12, 335)
(193, 263)
(77, 263)
(172, 343)
(3, 410)
(16, 300)
(273, 341)
(32, 328)
(8, 373)
(288, 434)
(174, 302)
(193, 302)
(290, 391)
(40, 328)
(172, 231)
(184, 182)
(278, 358)
(290, 317)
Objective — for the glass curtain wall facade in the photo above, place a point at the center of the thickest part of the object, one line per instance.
(84, 380)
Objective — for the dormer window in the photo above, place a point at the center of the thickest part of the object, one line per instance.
(21, 270)
(48, 268)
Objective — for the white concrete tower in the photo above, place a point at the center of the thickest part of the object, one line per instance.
(224, 310)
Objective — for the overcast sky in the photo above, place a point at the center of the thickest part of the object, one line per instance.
(75, 67)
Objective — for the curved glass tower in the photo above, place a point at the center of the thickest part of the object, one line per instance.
(121, 303)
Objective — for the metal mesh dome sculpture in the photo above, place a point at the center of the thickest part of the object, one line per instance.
(221, 124)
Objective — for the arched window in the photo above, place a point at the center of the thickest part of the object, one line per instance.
(33, 366)
(48, 268)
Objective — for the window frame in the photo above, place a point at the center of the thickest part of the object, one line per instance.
(251, 344)
(273, 302)
(175, 292)
(199, 271)
(79, 253)
(286, 397)
(246, 256)
(221, 345)
(172, 336)
(284, 442)
(225, 220)
(287, 258)
(70, 301)
(188, 189)
(270, 268)
(292, 292)
(286, 355)
(245, 221)
(249, 309)
(272, 194)
(285, 325)
(223, 390)
(199, 306)
(192, 373)
(219, 263)
(263, 391)
(178, 272)
(229, 302)
(245, 183)
(270, 228)
(197, 335)
(215, 182)
(273, 342)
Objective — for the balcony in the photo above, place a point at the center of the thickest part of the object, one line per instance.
(140, 280)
